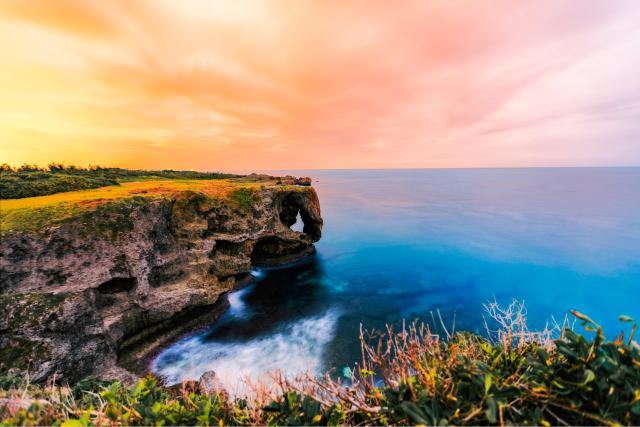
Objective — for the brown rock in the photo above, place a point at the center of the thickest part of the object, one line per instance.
(209, 385)
(100, 295)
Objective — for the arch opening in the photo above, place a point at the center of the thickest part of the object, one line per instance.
(117, 285)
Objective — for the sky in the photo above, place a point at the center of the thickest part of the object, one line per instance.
(295, 84)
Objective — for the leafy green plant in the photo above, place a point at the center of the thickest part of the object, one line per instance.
(407, 377)
(295, 409)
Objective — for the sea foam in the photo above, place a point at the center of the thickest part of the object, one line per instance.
(296, 348)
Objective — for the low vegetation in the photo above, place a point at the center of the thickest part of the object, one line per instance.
(406, 377)
(245, 198)
(33, 198)
(32, 180)
(36, 213)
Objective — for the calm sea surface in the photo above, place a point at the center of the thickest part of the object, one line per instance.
(400, 244)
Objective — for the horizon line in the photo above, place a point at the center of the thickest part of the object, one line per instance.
(231, 170)
(428, 168)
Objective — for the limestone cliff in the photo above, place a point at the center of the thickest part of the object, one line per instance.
(94, 294)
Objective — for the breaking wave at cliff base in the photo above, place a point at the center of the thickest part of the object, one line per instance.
(294, 349)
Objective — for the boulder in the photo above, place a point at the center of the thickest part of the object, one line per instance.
(209, 384)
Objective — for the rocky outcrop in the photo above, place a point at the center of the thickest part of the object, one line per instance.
(94, 295)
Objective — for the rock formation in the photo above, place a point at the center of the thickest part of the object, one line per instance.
(98, 294)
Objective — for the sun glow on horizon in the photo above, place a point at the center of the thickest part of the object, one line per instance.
(268, 84)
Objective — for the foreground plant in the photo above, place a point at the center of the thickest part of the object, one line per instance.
(409, 377)
(414, 377)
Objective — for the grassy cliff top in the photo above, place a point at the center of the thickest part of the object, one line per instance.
(35, 213)
(31, 180)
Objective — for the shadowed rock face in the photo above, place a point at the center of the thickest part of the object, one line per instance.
(75, 300)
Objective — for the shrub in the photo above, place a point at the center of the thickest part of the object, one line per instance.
(31, 180)
(407, 377)
(245, 198)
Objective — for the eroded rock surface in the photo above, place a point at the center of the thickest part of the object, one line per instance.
(93, 296)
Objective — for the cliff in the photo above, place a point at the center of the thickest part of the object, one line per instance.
(93, 282)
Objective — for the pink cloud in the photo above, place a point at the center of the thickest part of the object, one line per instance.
(276, 84)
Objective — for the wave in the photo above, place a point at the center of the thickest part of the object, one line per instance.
(296, 349)
(237, 306)
(257, 273)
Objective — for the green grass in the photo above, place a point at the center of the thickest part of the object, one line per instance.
(34, 181)
(37, 213)
(245, 198)
(13, 186)
(464, 380)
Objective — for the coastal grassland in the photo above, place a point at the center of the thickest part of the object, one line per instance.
(406, 377)
(36, 213)
(31, 180)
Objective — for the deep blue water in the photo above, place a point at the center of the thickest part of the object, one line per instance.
(399, 244)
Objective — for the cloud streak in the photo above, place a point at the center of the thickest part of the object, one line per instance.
(277, 84)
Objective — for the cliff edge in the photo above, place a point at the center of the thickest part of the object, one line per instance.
(93, 282)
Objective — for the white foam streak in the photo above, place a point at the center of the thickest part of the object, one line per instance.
(296, 349)
(257, 273)
(237, 306)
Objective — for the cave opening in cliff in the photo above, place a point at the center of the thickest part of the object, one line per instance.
(117, 285)
(298, 226)
(228, 247)
(273, 250)
(294, 215)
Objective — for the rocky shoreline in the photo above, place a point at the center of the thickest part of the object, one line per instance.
(101, 293)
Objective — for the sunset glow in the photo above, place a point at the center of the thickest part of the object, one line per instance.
(328, 84)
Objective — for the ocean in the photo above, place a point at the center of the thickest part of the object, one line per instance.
(409, 244)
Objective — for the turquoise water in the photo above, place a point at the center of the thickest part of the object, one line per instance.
(400, 244)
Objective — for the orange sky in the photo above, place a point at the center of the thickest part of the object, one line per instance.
(328, 84)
